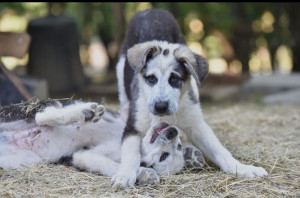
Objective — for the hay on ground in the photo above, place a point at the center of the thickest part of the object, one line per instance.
(267, 136)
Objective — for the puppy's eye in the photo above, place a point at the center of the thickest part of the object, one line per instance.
(151, 79)
(175, 80)
(163, 157)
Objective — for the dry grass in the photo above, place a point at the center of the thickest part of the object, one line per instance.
(267, 136)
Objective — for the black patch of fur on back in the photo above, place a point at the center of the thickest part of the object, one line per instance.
(148, 25)
(24, 111)
(154, 24)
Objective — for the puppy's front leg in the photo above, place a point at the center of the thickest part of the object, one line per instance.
(204, 138)
(147, 176)
(130, 162)
(77, 113)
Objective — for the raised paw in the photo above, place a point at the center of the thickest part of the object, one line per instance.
(193, 158)
(93, 113)
(147, 176)
(76, 113)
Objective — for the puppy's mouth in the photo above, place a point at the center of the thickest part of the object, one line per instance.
(159, 130)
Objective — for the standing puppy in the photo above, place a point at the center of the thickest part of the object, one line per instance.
(158, 80)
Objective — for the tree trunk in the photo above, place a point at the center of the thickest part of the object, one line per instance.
(294, 18)
(275, 38)
(120, 30)
(243, 37)
(296, 59)
(54, 52)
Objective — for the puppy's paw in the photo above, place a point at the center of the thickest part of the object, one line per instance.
(93, 112)
(193, 158)
(250, 171)
(147, 176)
(231, 165)
(123, 180)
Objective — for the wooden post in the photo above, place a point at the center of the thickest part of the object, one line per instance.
(15, 45)
(54, 52)
(16, 82)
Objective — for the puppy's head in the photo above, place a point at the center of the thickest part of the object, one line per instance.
(164, 71)
(162, 149)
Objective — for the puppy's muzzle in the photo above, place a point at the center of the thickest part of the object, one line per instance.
(161, 107)
(171, 133)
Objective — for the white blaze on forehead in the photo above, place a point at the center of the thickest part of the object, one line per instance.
(161, 63)
(161, 66)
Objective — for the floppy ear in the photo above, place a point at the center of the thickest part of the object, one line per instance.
(196, 65)
(140, 53)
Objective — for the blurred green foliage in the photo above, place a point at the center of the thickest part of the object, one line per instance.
(16, 6)
(240, 23)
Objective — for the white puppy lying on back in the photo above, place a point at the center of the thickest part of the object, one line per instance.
(28, 137)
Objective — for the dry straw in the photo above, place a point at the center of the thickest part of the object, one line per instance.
(267, 136)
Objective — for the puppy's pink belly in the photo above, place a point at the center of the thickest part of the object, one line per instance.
(32, 139)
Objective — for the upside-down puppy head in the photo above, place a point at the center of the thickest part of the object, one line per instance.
(164, 71)
(162, 149)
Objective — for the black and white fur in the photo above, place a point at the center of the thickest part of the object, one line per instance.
(59, 131)
(158, 79)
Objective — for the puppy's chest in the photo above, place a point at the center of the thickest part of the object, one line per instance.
(143, 122)
(184, 119)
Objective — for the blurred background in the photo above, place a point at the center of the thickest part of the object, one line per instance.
(252, 49)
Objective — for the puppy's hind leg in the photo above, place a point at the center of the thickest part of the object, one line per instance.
(77, 113)
(95, 162)
(14, 158)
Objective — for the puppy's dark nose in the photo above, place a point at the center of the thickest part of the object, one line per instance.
(172, 133)
(161, 107)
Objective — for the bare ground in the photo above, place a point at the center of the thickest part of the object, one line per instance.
(267, 136)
